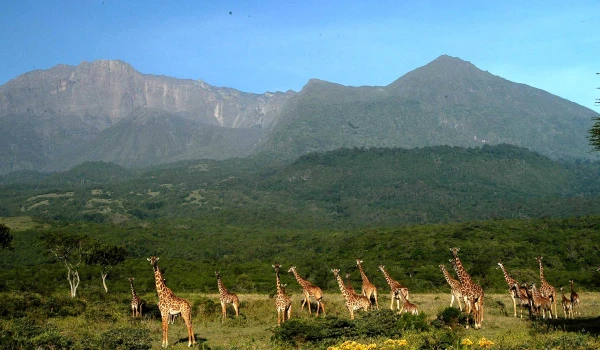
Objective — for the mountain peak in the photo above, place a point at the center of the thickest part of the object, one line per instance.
(443, 69)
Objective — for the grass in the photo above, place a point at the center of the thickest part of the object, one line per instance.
(254, 327)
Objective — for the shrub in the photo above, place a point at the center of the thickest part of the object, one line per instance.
(125, 339)
(450, 317)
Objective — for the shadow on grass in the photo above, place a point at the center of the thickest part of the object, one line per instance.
(588, 324)
(201, 343)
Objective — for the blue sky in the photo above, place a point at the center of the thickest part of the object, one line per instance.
(258, 46)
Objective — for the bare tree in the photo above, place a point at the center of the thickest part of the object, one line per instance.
(106, 256)
(71, 250)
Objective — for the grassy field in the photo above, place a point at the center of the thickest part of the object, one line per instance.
(254, 327)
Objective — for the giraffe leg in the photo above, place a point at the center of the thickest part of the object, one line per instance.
(392, 304)
(307, 296)
(223, 311)
(236, 307)
(289, 312)
(165, 329)
(514, 304)
(376, 302)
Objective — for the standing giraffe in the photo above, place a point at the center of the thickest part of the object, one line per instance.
(368, 289)
(309, 290)
(397, 291)
(539, 302)
(455, 286)
(567, 305)
(353, 300)
(524, 300)
(546, 289)
(136, 302)
(514, 293)
(169, 304)
(575, 301)
(226, 297)
(472, 292)
(283, 302)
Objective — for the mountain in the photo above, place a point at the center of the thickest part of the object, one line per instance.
(149, 136)
(55, 113)
(106, 111)
(446, 102)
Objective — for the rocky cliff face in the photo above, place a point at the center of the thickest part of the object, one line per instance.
(54, 112)
(112, 89)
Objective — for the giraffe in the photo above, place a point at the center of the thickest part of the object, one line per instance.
(514, 293)
(455, 286)
(575, 301)
(546, 289)
(136, 302)
(353, 301)
(397, 291)
(226, 297)
(472, 292)
(309, 290)
(566, 304)
(283, 302)
(169, 304)
(368, 289)
(521, 293)
(410, 308)
(539, 302)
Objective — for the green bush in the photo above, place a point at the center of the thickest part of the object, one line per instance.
(451, 317)
(125, 339)
(327, 330)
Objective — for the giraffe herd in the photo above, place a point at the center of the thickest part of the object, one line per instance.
(540, 301)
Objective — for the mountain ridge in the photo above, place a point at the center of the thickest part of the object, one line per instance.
(54, 116)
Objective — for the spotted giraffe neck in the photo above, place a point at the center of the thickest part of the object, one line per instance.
(161, 287)
(388, 279)
(447, 276)
(463, 275)
(132, 290)
(340, 282)
(364, 277)
(511, 281)
(279, 290)
(542, 278)
(222, 289)
(304, 283)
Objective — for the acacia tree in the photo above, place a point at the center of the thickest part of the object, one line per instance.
(106, 256)
(5, 237)
(71, 250)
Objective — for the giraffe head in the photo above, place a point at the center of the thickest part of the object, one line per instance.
(381, 268)
(442, 267)
(153, 260)
(358, 262)
(292, 269)
(336, 272)
(218, 274)
(539, 260)
(276, 267)
(500, 265)
(130, 279)
(454, 251)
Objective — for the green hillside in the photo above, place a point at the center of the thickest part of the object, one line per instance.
(338, 189)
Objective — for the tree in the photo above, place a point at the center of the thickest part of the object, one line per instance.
(5, 237)
(106, 256)
(594, 132)
(71, 250)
